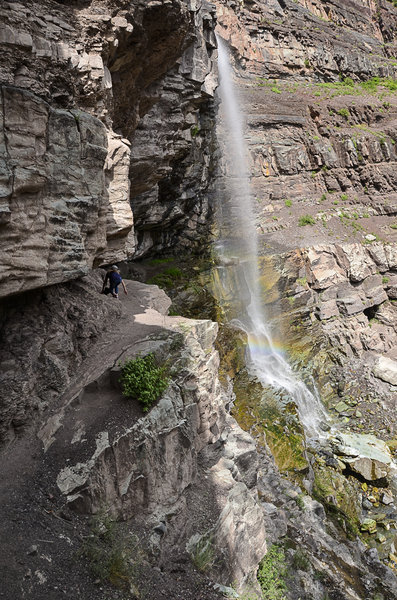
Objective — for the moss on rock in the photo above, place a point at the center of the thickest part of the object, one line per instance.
(270, 417)
(338, 495)
(231, 343)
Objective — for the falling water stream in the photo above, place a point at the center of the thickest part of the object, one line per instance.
(238, 256)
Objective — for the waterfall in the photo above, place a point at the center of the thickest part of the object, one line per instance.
(238, 252)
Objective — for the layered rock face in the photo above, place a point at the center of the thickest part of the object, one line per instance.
(339, 314)
(317, 92)
(321, 142)
(92, 125)
(46, 335)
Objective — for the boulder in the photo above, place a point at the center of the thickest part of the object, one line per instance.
(365, 455)
(360, 265)
(368, 525)
(378, 254)
(328, 309)
(324, 271)
(386, 369)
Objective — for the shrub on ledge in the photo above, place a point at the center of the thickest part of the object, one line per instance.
(306, 220)
(143, 379)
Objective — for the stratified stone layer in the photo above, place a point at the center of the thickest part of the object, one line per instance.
(106, 119)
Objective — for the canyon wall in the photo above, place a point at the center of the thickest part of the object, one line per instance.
(316, 86)
(95, 134)
(317, 89)
(107, 152)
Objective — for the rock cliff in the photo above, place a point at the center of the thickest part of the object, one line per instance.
(317, 87)
(93, 124)
(181, 474)
(106, 153)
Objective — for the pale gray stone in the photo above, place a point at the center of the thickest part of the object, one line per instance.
(365, 454)
(386, 369)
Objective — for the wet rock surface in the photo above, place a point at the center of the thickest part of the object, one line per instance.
(353, 470)
(339, 310)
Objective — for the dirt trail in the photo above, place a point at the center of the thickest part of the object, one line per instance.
(39, 536)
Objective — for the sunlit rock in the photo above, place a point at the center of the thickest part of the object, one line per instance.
(365, 455)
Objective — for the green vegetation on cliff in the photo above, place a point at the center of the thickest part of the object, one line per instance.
(143, 379)
(271, 574)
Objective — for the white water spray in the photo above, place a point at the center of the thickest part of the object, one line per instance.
(238, 249)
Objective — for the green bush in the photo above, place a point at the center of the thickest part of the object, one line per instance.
(167, 279)
(142, 379)
(271, 574)
(344, 112)
(300, 502)
(306, 220)
(173, 272)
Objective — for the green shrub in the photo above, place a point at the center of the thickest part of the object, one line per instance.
(344, 197)
(385, 280)
(167, 278)
(348, 81)
(142, 379)
(271, 574)
(173, 272)
(288, 203)
(344, 112)
(371, 85)
(306, 220)
(300, 502)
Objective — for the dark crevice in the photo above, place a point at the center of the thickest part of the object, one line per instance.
(371, 311)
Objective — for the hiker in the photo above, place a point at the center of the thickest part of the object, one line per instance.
(114, 278)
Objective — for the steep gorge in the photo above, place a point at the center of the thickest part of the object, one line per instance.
(108, 153)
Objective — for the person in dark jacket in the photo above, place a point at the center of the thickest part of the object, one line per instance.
(114, 278)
